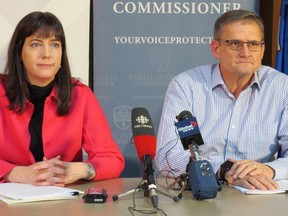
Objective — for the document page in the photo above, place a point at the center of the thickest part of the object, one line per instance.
(283, 188)
(19, 193)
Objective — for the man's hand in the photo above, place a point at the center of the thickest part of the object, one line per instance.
(259, 182)
(251, 175)
(242, 168)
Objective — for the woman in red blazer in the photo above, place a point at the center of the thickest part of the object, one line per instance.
(46, 116)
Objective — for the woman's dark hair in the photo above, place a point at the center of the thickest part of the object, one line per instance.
(44, 25)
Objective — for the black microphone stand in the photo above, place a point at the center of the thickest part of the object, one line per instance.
(182, 181)
(149, 177)
(149, 185)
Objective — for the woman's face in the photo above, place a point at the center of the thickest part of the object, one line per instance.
(41, 58)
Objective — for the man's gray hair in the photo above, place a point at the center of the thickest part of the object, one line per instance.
(236, 16)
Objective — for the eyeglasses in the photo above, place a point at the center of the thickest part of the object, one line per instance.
(237, 45)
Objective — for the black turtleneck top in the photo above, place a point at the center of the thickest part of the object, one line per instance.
(37, 97)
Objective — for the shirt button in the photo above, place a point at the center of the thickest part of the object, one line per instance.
(229, 149)
(233, 126)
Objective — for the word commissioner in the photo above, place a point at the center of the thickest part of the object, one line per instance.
(173, 7)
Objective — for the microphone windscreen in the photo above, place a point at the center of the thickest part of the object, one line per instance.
(145, 145)
(143, 132)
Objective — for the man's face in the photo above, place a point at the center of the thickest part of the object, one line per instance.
(240, 62)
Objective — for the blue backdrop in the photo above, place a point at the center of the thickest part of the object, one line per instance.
(139, 46)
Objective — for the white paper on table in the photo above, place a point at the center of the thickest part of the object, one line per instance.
(18, 193)
(283, 188)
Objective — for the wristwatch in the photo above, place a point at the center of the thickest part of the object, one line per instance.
(224, 168)
(90, 171)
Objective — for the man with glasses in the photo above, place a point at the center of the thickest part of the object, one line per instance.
(241, 108)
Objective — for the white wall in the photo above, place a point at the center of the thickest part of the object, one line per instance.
(74, 15)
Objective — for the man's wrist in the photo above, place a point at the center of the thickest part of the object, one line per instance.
(273, 171)
(224, 168)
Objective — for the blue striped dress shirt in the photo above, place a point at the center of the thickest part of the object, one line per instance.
(252, 126)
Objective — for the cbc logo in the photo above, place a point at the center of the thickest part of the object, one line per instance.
(142, 119)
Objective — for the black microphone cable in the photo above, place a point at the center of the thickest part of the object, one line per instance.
(133, 208)
(172, 170)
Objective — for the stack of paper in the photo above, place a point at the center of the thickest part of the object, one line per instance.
(12, 193)
(283, 188)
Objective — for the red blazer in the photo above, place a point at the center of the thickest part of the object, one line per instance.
(85, 127)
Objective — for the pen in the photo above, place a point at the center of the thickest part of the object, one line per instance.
(75, 193)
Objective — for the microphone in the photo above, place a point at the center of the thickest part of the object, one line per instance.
(189, 133)
(145, 143)
(202, 178)
(143, 133)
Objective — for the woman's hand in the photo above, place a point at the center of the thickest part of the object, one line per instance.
(44, 173)
(60, 173)
(50, 172)
(75, 171)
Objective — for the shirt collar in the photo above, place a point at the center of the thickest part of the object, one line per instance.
(217, 78)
